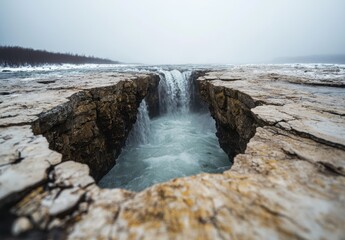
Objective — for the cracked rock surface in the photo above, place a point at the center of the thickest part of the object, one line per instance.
(285, 129)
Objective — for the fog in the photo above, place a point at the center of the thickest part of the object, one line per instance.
(180, 31)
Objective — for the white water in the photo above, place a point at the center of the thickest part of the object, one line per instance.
(174, 92)
(179, 143)
(142, 128)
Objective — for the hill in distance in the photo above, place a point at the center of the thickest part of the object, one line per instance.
(19, 56)
(334, 59)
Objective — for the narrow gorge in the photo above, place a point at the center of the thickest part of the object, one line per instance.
(179, 142)
(147, 130)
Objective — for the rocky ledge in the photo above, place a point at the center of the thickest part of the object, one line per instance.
(285, 127)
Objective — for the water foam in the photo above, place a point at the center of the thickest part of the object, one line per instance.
(178, 143)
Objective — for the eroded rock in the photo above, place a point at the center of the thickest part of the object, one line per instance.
(26, 159)
(287, 181)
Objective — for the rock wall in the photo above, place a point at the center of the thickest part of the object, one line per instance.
(196, 102)
(287, 184)
(232, 111)
(93, 126)
(82, 119)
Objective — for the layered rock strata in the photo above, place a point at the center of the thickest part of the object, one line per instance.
(93, 125)
(287, 181)
(84, 120)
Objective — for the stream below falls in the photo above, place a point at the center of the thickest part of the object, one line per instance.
(178, 143)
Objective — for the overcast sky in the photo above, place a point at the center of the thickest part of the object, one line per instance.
(180, 31)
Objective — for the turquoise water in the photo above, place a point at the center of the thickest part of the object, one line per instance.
(178, 143)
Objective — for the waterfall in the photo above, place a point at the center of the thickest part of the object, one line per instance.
(174, 91)
(174, 97)
(141, 129)
(178, 143)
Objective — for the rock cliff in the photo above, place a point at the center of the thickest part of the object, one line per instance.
(93, 125)
(287, 181)
(84, 120)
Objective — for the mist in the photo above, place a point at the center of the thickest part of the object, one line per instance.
(177, 32)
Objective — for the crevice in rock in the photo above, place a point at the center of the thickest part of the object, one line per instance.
(231, 110)
(9, 116)
(15, 159)
(93, 125)
(5, 93)
(330, 168)
(18, 124)
(320, 84)
(182, 112)
(317, 139)
(236, 122)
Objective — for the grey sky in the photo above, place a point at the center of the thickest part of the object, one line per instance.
(180, 31)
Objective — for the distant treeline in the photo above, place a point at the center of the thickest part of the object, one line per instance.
(18, 56)
(339, 59)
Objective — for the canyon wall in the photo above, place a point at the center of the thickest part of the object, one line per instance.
(287, 181)
(84, 120)
(232, 111)
(93, 125)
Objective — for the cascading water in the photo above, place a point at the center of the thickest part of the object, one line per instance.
(178, 143)
(141, 129)
(174, 92)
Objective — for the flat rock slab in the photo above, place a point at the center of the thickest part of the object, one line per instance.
(291, 101)
(288, 184)
(25, 160)
(28, 98)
